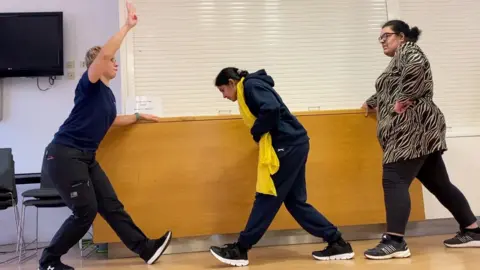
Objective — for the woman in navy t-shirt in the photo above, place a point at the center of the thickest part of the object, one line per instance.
(70, 163)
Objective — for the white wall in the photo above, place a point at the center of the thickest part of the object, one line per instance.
(462, 161)
(31, 117)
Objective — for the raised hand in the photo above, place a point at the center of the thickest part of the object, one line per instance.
(131, 15)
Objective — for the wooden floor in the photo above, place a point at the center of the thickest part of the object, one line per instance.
(427, 253)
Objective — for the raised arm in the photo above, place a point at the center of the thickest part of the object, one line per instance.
(269, 110)
(412, 79)
(108, 51)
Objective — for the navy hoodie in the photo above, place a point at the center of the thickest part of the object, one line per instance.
(272, 114)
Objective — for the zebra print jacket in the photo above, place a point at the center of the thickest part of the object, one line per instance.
(420, 130)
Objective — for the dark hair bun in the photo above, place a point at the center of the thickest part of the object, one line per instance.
(242, 73)
(414, 34)
(229, 73)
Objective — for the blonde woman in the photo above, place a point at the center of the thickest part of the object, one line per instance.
(70, 162)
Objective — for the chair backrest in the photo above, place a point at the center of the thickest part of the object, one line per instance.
(7, 172)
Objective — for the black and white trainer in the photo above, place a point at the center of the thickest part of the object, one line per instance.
(152, 254)
(339, 250)
(463, 239)
(388, 249)
(231, 254)
(55, 266)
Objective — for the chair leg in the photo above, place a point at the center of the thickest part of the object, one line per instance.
(21, 234)
(81, 247)
(36, 239)
(17, 223)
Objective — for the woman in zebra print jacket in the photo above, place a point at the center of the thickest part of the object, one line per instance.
(411, 132)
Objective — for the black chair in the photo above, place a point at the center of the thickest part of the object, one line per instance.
(44, 197)
(8, 189)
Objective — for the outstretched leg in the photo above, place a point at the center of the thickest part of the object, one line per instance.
(310, 219)
(435, 178)
(68, 170)
(263, 212)
(114, 213)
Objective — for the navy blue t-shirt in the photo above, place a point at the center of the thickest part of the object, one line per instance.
(92, 115)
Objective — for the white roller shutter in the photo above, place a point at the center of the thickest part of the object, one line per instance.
(451, 39)
(322, 54)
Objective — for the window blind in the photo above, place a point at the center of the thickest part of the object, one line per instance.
(321, 54)
(451, 38)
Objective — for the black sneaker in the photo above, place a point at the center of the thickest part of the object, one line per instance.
(388, 249)
(231, 254)
(151, 255)
(463, 239)
(55, 266)
(339, 250)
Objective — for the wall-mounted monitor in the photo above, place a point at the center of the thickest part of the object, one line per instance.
(31, 44)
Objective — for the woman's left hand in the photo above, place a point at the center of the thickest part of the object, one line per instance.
(149, 117)
(401, 107)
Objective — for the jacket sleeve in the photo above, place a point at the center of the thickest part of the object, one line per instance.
(412, 78)
(268, 112)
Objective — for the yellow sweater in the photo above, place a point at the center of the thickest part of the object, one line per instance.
(268, 163)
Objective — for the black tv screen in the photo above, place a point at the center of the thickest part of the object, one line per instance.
(31, 44)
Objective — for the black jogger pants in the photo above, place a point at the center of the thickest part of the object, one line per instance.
(86, 190)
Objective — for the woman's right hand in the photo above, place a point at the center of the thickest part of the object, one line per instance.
(131, 15)
(367, 108)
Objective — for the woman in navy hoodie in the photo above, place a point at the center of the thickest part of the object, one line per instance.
(291, 145)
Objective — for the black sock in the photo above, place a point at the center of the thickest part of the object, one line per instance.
(476, 230)
(396, 238)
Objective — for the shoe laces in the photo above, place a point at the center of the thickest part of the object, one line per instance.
(329, 246)
(231, 250)
(461, 233)
(230, 246)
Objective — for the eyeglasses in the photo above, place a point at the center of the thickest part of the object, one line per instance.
(385, 36)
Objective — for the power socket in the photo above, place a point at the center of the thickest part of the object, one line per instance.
(70, 64)
(83, 65)
(71, 75)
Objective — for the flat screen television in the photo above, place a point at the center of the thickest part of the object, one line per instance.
(31, 44)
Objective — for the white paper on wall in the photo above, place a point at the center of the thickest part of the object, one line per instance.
(145, 104)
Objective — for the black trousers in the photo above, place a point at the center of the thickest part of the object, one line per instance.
(86, 190)
(431, 172)
(291, 190)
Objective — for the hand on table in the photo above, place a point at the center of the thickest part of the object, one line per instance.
(367, 108)
(149, 117)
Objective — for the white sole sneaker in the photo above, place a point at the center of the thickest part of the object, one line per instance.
(474, 244)
(345, 256)
(161, 249)
(398, 254)
(230, 262)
